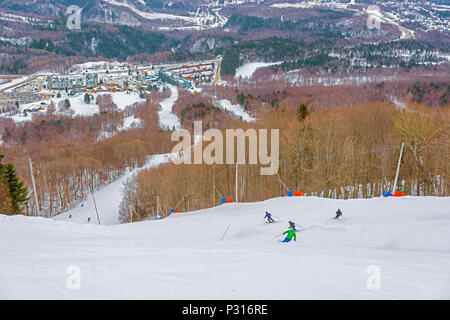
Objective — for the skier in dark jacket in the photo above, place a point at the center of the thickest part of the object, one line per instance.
(89, 219)
(338, 214)
(269, 217)
(292, 225)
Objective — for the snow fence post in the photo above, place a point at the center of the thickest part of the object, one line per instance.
(398, 168)
(225, 233)
(34, 187)
(95, 205)
(237, 175)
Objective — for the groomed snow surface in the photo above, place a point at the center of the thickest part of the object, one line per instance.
(108, 198)
(182, 257)
(246, 71)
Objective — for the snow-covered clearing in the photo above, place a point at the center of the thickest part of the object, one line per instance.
(167, 119)
(122, 99)
(309, 4)
(235, 109)
(151, 15)
(246, 71)
(130, 123)
(78, 106)
(181, 257)
(286, 5)
(295, 77)
(399, 104)
(17, 18)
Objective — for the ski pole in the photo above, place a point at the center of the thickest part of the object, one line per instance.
(225, 233)
(278, 235)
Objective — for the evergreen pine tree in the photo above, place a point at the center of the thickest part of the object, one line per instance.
(302, 112)
(67, 103)
(5, 197)
(18, 194)
(87, 99)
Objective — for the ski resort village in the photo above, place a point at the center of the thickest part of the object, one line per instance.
(28, 94)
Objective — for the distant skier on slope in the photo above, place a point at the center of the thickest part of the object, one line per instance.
(338, 214)
(269, 217)
(89, 219)
(289, 235)
(70, 216)
(292, 225)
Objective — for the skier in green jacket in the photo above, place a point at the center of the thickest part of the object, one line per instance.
(289, 235)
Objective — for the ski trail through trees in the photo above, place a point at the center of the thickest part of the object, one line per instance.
(108, 198)
(167, 119)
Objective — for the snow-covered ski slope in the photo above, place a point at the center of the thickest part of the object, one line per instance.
(182, 257)
(167, 119)
(246, 71)
(108, 198)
